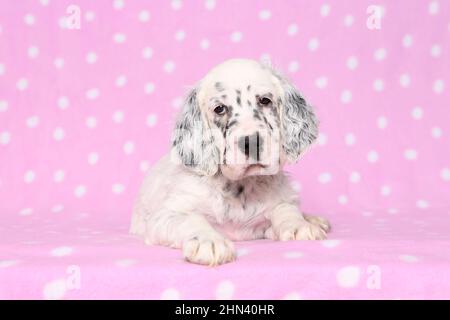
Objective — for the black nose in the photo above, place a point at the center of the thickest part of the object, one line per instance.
(251, 145)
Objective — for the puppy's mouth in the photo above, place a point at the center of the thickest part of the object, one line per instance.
(254, 167)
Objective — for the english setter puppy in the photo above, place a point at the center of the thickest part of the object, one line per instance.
(223, 178)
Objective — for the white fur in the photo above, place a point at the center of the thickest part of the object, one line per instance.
(201, 213)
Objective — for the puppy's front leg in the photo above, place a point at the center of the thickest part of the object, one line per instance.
(289, 224)
(200, 242)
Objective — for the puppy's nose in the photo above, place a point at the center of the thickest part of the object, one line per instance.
(251, 145)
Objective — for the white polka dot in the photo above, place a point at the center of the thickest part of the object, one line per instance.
(91, 122)
(89, 16)
(445, 174)
(324, 177)
(93, 158)
(417, 113)
(3, 105)
(125, 263)
(151, 120)
(380, 54)
(292, 29)
(169, 66)
(33, 52)
(433, 8)
(348, 277)
(128, 147)
(392, 211)
(118, 4)
(29, 19)
(170, 294)
(293, 66)
(408, 258)
(58, 63)
(63, 102)
(236, 36)
(147, 53)
(410, 154)
(293, 255)
(348, 20)
(26, 212)
(210, 4)
(378, 85)
(32, 122)
(118, 188)
(91, 57)
(144, 16)
(149, 88)
(385, 191)
(92, 94)
(176, 4)
(265, 15)
(350, 139)
(343, 199)
(58, 176)
(436, 132)
(29, 176)
(118, 116)
(292, 296)
(119, 37)
(422, 204)
(2, 69)
(57, 208)
(180, 35)
(407, 40)
(367, 213)
(80, 191)
(435, 51)
(355, 177)
(325, 10)
(313, 44)
(204, 44)
(44, 2)
(372, 156)
(438, 86)
(225, 290)
(144, 166)
(55, 290)
(22, 84)
(346, 96)
(405, 80)
(8, 263)
(5, 138)
(330, 243)
(61, 251)
(121, 81)
(352, 62)
(382, 122)
(321, 82)
(322, 139)
(58, 134)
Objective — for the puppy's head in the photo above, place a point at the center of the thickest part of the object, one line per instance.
(243, 119)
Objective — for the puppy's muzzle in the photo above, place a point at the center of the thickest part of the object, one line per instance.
(251, 146)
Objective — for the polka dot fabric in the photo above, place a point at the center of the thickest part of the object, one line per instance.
(84, 113)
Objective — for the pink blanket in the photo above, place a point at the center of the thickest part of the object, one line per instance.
(87, 106)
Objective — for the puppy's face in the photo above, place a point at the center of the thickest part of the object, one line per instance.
(243, 119)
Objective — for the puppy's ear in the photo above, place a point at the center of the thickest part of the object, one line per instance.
(192, 142)
(298, 121)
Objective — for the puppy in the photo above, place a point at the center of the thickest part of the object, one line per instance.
(223, 178)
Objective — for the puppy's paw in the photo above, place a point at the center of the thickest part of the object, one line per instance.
(318, 221)
(301, 230)
(209, 250)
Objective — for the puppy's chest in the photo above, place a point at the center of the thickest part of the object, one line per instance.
(240, 204)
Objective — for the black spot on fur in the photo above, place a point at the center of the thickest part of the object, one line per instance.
(238, 100)
(249, 103)
(239, 191)
(248, 87)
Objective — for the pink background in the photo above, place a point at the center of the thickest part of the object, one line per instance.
(84, 113)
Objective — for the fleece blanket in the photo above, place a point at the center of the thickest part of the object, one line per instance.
(88, 96)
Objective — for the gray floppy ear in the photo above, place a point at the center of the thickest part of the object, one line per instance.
(299, 123)
(192, 142)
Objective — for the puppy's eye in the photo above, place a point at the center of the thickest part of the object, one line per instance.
(220, 110)
(265, 101)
